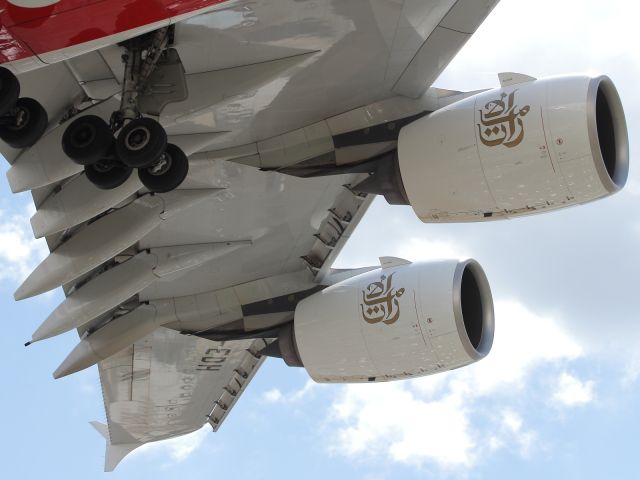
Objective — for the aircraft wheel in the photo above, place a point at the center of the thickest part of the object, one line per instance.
(24, 124)
(87, 139)
(167, 173)
(9, 90)
(141, 142)
(107, 173)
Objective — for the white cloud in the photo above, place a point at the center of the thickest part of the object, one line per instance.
(275, 395)
(175, 449)
(512, 421)
(633, 187)
(431, 419)
(523, 340)
(19, 251)
(513, 430)
(390, 419)
(572, 392)
(631, 371)
(567, 47)
(419, 249)
(272, 395)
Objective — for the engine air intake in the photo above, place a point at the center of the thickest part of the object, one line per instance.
(608, 121)
(473, 308)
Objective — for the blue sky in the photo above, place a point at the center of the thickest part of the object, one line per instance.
(557, 397)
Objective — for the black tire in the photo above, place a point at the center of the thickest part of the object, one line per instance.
(87, 139)
(141, 142)
(9, 90)
(29, 121)
(167, 173)
(107, 174)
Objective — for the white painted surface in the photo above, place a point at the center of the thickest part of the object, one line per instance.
(78, 201)
(105, 238)
(110, 339)
(338, 342)
(549, 156)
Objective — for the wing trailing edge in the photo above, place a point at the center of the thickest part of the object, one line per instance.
(114, 454)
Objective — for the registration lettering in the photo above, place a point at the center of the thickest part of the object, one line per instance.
(213, 359)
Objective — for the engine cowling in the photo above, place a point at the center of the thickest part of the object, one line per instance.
(399, 321)
(512, 151)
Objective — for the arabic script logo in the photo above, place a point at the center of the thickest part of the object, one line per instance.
(380, 301)
(501, 122)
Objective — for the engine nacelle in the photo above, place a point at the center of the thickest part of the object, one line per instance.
(522, 149)
(400, 321)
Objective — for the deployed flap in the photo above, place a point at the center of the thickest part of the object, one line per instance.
(152, 394)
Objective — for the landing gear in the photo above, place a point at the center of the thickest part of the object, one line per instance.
(9, 90)
(167, 172)
(22, 120)
(141, 142)
(24, 124)
(107, 173)
(87, 140)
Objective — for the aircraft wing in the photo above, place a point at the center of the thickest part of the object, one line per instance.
(169, 384)
(286, 101)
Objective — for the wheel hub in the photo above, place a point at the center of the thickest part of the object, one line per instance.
(162, 166)
(137, 138)
(22, 116)
(103, 167)
(83, 136)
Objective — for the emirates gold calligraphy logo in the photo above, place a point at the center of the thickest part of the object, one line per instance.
(501, 122)
(380, 301)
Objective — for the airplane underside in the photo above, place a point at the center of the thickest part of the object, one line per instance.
(196, 174)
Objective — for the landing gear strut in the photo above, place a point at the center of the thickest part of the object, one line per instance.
(141, 142)
(22, 120)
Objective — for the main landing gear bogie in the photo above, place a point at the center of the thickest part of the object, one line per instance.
(110, 151)
(108, 162)
(22, 120)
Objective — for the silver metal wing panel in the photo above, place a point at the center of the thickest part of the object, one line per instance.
(170, 384)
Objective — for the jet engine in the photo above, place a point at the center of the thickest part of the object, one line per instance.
(399, 321)
(530, 146)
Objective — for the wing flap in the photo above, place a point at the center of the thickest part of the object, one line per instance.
(169, 384)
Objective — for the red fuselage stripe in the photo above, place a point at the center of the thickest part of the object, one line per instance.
(28, 31)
